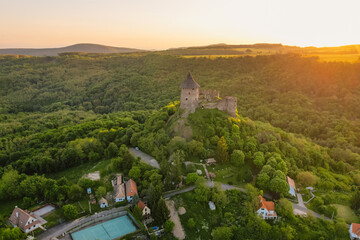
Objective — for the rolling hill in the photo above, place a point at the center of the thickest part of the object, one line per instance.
(348, 53)
(81, 47)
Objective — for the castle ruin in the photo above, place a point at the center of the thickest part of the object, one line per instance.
(192, 97)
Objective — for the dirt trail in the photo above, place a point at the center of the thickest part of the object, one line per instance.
(178, 230)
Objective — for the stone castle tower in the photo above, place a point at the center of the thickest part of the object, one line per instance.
(192, 97)
(189, 94)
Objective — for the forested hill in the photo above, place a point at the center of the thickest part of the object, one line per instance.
(300, 95)
(81, 47)
(62, 115)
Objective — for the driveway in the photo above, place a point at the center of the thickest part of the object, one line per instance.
(44, 210)
(145, 157)
(178, 230)
(300, 200)
(300, 209)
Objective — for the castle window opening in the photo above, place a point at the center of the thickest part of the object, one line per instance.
(193, 88)
(189, 93)
(185, 98)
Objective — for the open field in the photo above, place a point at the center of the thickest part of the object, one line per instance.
(228, 174)
(336, 57)
(200, 212)
(74, 174)
(352, 58)
(346, 213)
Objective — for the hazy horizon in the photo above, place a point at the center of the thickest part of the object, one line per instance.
(161, 24)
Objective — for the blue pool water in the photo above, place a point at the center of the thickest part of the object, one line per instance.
(109, 230)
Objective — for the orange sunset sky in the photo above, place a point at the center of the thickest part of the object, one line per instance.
(162, 24)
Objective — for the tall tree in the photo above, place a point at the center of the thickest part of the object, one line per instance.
(222, 154)
(238, 158)
(306, 179)
(162, 212)
(137, 212)
(70, 211)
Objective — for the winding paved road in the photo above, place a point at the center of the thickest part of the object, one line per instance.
(64, 227)
(298, 208)
(145, 157)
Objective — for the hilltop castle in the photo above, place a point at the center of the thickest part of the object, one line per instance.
(193, 97)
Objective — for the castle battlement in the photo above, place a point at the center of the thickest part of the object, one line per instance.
(193, 97)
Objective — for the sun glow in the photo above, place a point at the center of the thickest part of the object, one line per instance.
(163, 24)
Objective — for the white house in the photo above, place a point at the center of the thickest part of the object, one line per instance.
(267, 209)
(131, 190)
(145, 209)
(24, 220)
(354, 231)
(119, 189)
(291, 183)
(103, 203)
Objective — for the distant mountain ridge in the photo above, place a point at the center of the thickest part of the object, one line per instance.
(81, 47)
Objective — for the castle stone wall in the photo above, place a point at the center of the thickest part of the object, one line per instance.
(209, 95)
(193, 97)
(189, 99)
(228, 104)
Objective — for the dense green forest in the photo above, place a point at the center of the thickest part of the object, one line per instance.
(300, 95)
(297, 117)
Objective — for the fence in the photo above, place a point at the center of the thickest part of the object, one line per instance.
(100, 217)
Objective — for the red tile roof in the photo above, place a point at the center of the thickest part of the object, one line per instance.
(290, 182)
(356, 229)
(131, 188)
(269, 205)
(141, 204)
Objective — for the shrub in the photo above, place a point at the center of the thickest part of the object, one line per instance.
(120, 204)
(169, 225)
(191, 223)
(70, 211)
(191, 178)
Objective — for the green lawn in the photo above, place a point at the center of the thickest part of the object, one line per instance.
(346, 213)
(54, 218)
(205, 219)
(75, 173)
(227, 173)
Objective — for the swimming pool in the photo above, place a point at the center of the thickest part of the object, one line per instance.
(108, 230)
